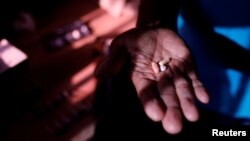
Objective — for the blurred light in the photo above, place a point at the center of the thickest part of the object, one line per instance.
(4, 42)
(84, 83)
(76, 34)
(86, 133)
(10, 56)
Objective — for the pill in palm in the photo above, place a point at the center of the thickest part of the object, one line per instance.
(163, 68)
(164, 61)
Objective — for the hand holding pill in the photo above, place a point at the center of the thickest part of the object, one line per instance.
(163, 73)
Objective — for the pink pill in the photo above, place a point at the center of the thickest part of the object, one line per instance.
(155, 67)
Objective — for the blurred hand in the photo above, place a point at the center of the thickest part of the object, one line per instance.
(166, 96)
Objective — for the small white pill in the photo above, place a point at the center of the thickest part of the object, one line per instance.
(164, 61)
(163, 68)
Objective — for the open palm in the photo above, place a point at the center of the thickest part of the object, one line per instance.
(167, 95)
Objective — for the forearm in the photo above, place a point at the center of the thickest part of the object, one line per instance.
(161, 12)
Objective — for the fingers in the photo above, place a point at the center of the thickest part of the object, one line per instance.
(185, 94)
(172, 121)
(199, 89)
(147, 92)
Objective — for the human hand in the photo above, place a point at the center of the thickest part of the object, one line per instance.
(168, 95)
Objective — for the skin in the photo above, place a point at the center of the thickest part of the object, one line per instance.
(168, 97)
(155, 67)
